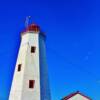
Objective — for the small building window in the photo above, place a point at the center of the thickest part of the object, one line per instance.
(19, 67)
(31, 83)
(33, 49)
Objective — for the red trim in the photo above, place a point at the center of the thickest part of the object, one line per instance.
(31, 83)
(73, 94)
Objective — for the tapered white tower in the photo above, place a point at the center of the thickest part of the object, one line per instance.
(30, 81)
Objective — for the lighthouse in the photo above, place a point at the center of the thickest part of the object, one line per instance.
(30, 80)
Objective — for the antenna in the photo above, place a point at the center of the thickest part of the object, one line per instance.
(27, 21)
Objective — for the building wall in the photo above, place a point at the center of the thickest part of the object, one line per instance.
(34, 67)
(44, 79)
(30, 70)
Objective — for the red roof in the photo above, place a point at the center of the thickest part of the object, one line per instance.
(73, 94)
(33, 28)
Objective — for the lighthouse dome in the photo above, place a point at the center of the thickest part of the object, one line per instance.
(33, 28)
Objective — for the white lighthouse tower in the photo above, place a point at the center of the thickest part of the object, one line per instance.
(30, 81)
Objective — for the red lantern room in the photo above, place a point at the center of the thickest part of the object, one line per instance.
(32, 28)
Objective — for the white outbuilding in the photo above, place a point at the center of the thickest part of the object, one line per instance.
(76, 96)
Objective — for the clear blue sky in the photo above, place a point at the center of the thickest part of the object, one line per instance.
(73, 43)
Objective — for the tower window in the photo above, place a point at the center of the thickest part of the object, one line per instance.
(19, 67)
(31, 83)
(33, 49)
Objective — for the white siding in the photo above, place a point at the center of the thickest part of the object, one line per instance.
(29, 71)
(34, 67)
